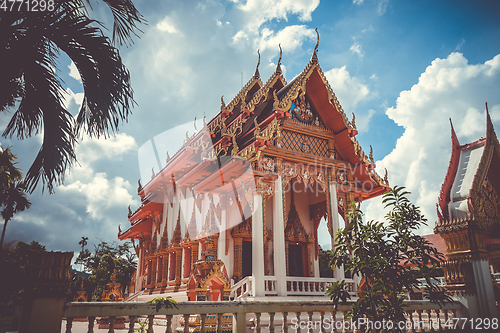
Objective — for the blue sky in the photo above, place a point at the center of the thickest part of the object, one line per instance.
(403, 67)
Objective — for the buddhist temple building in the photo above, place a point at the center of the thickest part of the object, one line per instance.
(469, 221)
(235, 211)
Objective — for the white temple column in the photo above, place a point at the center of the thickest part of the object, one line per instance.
(279, 237)
(221, 252)
(140, 267)
(338, 273)
(484, 290)
(257, 246)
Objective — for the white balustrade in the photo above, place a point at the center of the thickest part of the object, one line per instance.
(242, 289)
(268, 316)
(313, 286)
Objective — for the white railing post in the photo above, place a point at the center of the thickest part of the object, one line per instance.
(91, 325)
(203, 318)
(69, 324)
(284, 325)
(271, 322)
(219, 323)
(310, 327)
(131, 323)
(239, 322)
(186, 323)
(257, 322)
(169, 324)
(150, 322)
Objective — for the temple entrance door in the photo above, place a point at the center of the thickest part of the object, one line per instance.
(295, 260)
(246, 259)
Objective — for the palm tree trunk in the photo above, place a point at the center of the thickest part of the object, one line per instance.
(3, 235)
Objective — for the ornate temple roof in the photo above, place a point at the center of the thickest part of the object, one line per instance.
(252, 124)
(472, 171)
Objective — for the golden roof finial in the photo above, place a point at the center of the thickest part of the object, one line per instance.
(278, 67)
(168, 156)
(257, 74)
(222, 103)
(195, 124)
(386, 181)
(353, 122)
(371, 154)
(314, 57)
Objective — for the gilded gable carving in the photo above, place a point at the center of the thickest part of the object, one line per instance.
(486, 204)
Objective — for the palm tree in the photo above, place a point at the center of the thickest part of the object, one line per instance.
(29, 45)
(9, 173)
(13, 201)
(12, 193)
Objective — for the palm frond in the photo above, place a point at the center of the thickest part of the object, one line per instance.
(29, 44)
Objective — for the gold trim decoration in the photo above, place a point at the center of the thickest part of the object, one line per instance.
(303, 174)
(267, 163)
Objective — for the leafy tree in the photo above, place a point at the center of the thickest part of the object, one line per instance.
(389, 257)
(325, 269)
(13, 262)
(29, 46)
(104, 261)
(12, 192)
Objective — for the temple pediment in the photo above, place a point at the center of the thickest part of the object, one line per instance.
(470, 189)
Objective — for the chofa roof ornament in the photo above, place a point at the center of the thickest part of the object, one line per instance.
(278, 66)
(314, 57)
(257, 74)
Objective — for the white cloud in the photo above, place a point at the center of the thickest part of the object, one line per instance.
(363, 121)
(382, 7)
(357, 2)
(73, 72)
(108, 147)
(349, 90)
(459, 45)
(91, 150)
(356, 48)
(69, 96)
(449, 88)
(102, 194)
(260, 11)
(290, 38)
(240, 37)
(167, 25)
